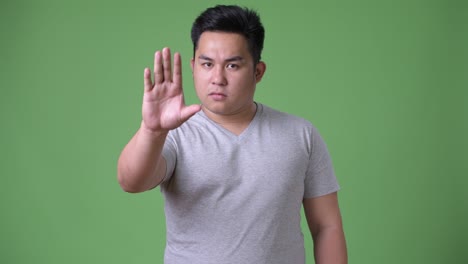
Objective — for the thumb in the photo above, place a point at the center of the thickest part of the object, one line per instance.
(189, 111)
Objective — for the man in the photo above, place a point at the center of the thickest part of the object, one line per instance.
(234, 173)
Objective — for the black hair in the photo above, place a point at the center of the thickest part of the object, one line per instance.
(232, 19)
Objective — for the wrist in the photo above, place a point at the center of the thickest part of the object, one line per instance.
(158, 133)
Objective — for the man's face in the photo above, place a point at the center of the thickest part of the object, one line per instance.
(224, 73)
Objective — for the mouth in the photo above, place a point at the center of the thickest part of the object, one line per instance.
(217, 96)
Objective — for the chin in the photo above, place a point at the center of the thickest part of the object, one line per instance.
(219, 110)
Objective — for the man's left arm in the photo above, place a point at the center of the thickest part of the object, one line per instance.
(325, 224)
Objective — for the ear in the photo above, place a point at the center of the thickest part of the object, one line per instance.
(260, 69)
(192, 61)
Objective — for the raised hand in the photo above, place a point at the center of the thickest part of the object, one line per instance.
(163, 100)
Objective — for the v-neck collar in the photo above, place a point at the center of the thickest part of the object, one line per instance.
(247, 130)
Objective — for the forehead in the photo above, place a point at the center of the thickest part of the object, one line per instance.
(224, 44)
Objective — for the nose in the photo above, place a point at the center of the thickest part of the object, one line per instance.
(218, 76)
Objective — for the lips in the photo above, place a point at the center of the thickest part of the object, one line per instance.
(217, 96)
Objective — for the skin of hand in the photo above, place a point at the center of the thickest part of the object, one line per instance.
(141, 166)
(163, 106)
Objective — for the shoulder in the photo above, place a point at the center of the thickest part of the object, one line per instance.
(197, 128)
(285, 120)
(196, 122)
(293, 127)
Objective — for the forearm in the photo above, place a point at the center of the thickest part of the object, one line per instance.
(330, 246)
(141, 165)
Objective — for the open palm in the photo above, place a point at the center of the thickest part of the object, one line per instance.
(163, 100)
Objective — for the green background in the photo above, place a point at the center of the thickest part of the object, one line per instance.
(384, 81)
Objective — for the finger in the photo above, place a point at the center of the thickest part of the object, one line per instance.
(189, 111)
(147, 80)
(177, 77)
(167, 64)
(158, 68)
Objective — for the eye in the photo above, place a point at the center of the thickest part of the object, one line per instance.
(232, 66)
(207, 64)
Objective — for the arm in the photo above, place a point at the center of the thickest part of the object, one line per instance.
(324, 220)
(141, 165)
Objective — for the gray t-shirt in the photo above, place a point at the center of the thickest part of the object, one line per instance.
(237, 199)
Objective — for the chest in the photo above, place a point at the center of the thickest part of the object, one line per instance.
(222, 167)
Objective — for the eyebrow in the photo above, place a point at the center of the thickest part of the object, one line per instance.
(231, 59)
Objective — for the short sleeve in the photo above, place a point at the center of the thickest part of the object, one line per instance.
(169, 153)
(320, 177)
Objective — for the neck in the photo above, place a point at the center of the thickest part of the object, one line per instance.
(236, 122)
